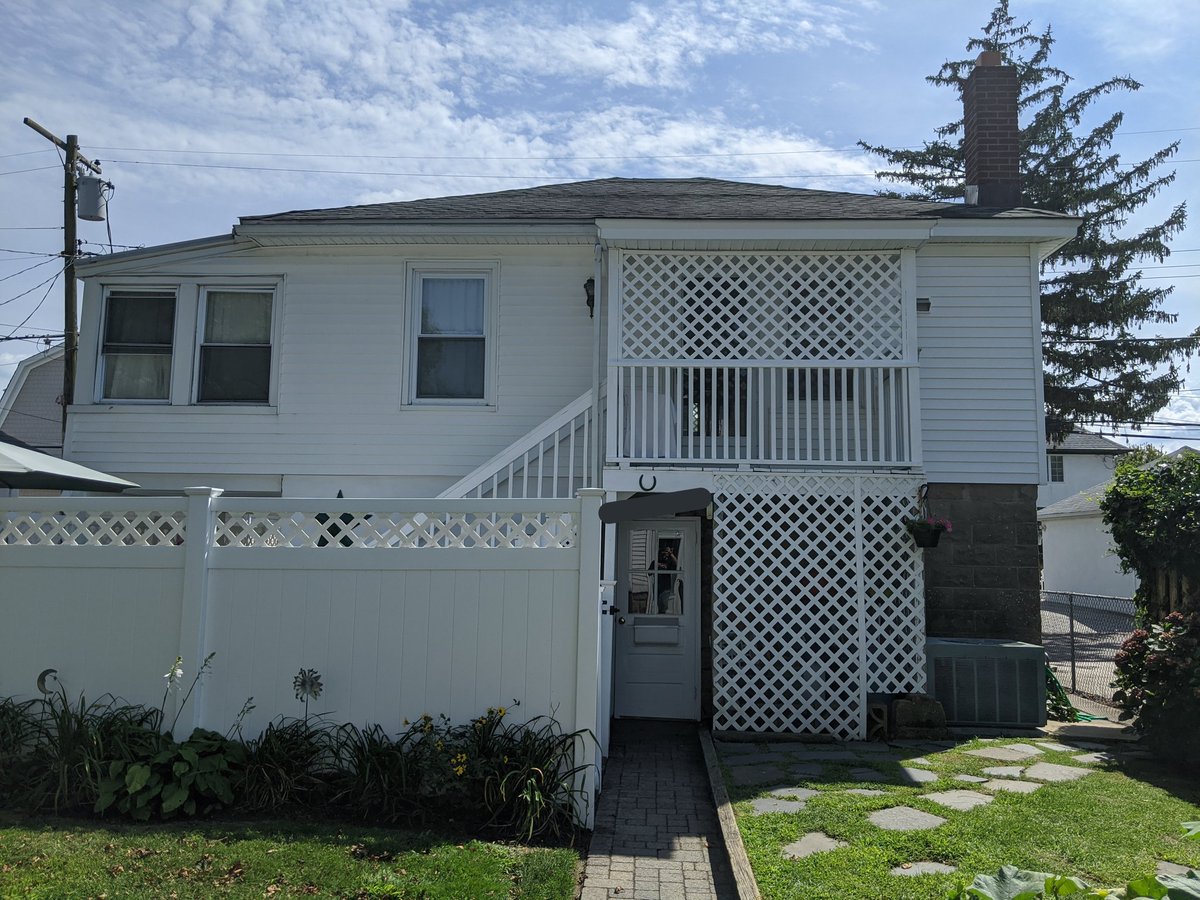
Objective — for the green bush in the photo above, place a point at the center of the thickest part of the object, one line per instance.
(288, 766)
(1158, 684)
(1011, 883)
(165, 777)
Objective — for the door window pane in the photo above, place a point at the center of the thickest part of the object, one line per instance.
(655, 573)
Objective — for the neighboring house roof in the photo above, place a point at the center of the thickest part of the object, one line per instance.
(1085, 503)
(649, 198)
(29, 407)
(1086, 442)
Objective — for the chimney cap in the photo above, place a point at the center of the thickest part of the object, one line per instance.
(989, 58)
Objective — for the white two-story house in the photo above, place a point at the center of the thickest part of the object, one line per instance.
(781, 375)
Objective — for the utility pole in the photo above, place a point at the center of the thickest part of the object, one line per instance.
(70, 250)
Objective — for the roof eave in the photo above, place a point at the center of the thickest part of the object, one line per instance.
(118, 262)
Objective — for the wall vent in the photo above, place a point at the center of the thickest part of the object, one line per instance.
(987, 682)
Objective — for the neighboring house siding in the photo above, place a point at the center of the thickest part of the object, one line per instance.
(1080, 471)
(980, 396)
(1079, 556)
(341, 359)
(35, 415)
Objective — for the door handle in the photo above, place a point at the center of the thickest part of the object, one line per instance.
(612, 610)
(621, 620)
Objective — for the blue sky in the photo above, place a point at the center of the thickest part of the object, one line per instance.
(193, 106)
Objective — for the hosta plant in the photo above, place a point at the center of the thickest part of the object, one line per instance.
(1011, 883)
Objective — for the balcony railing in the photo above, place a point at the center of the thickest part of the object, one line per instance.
(779, 413)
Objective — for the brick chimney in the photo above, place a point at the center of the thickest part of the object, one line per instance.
(992, 141)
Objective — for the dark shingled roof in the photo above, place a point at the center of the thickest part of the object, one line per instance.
(1084, 503)
(647, 198)
(1085, 442)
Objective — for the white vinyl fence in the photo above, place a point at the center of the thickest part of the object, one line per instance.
(404, 607)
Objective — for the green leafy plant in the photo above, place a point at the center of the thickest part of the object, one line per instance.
(1158, 683)
(289, 765)
(1011, 883)
(194, 777)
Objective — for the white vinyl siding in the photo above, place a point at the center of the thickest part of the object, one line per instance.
(980, 383)
(340, 421)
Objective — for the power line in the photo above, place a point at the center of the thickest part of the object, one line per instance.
(29, 337)
(44, 262)
(49, 281)
(29, 252)
(23, 171)
(30, 228)
(53, 281)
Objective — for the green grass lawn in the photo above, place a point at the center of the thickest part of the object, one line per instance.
(49, 857)
(1106, 828)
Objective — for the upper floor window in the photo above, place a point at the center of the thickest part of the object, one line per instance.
(1056, 467)
(235, 347)
(451, 326)
(139, 331)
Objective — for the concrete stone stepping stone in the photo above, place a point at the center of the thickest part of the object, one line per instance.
(1055, 746)
(1016, 787)
(1045, 771)
(1004, 771)
(805, 770)
(1162, 867)
(919, 761)
(958, 799)
(793, 793)
(733, 747)
(917, 776)
(970, 779)
(866, 792)
(744, 775)
(763, 805)
(813, 842)
(923, 868)
(1011, 753)
(868, 775)
(756, 759)
(904, 818)
(1099, 757)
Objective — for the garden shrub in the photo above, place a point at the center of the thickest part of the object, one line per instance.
(290, 765)
(1158, 684)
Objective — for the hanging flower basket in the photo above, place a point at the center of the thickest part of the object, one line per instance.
(926, 532)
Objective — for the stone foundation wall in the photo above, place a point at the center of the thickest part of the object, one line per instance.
(982, 580)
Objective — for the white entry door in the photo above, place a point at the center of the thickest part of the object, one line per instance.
(656, 641)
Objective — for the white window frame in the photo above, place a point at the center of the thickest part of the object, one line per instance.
(489, 271)
(1056, 461)
(198, 341)
(109, 290)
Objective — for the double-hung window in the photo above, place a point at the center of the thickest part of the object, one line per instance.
(451, 326)
(139, 332)
(1056, 467)
(235, 347)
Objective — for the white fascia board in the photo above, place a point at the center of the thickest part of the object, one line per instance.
(13, 389)
(1050, 232)
(132, 260)
(279, 233)
(898, 233)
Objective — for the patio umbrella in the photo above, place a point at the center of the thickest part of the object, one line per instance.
(24, 467)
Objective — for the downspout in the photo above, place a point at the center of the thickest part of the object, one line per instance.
(598, 263)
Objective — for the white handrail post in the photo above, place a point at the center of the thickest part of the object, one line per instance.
(193, 618)
(587, 675)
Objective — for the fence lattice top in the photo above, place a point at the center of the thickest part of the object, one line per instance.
(762, 306)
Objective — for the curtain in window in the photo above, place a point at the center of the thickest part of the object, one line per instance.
(237, 317)
(137, 376)
(451, 347)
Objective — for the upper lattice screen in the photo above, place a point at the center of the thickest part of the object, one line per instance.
(761, 306)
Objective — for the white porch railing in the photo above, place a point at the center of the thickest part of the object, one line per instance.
(761, 412)
(552, 461)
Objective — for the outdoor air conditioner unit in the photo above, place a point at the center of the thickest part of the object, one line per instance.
(987, 682)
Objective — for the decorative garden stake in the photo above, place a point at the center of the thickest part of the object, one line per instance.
(926, 531)
(308, 687)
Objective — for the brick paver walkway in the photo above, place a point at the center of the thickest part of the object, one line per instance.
(657, 836)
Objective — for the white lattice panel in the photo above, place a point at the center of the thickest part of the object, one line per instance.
(818, 600)
(91, 528)
(409, 530)
(761, 306)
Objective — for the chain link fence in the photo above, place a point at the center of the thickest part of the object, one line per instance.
(1082, 634)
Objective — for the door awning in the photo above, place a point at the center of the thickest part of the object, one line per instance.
(652, 506)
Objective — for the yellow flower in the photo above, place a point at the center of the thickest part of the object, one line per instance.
(458, 770)
(501, 711)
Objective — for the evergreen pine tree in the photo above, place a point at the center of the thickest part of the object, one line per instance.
(1093, 300)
